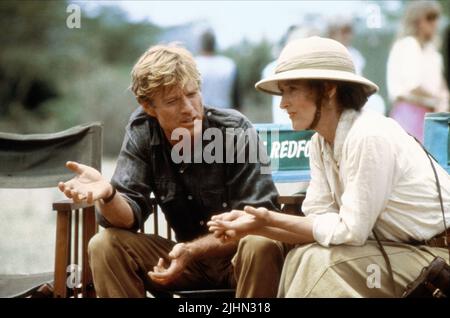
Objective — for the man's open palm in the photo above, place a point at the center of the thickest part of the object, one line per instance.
(88, 184)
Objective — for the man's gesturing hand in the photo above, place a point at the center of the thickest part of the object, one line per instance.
(87, 185)
(180, 256)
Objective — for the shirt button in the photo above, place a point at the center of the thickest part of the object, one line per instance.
(162, 197)
(202, 223)
(181, 171)
(224, 204)
(189, 197)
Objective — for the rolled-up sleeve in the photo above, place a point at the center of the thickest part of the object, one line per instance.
(131, 178)
(368, 184)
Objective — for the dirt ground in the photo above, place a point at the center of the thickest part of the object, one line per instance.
(27, 227)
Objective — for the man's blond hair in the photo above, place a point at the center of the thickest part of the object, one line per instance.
(163, 67)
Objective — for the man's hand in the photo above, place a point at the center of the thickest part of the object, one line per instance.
(88, 185)
(180, 256)
(237, 224)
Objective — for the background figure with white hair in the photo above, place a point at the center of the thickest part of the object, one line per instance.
(279, 116)
(340, 28)
(415, 71)
(219, 75)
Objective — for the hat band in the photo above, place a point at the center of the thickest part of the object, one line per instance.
(325, 61)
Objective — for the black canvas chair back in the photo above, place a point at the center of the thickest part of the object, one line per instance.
(38, 161)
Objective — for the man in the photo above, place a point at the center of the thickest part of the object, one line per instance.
(166, 83)
(220, 85)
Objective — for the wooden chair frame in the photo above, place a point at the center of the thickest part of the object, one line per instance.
(68, 241)
(37, 161)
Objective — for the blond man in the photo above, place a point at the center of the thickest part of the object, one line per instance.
(124, 263)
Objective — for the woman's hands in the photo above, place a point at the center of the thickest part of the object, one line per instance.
(236, 224)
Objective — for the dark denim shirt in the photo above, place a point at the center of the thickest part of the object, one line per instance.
(188, 193)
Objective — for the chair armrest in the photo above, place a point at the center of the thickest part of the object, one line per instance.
(291, 199)
(291, 204)
(68, 205)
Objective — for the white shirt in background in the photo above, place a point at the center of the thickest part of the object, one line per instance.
(409, 66)
(279, 116)
(358, 60)
(218, 74)
(375, 175)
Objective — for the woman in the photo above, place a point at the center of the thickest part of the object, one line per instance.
(415, 69)
(366, 173)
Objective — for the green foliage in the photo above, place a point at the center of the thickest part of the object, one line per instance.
(103, 96)
(86, 70)
(375, 46)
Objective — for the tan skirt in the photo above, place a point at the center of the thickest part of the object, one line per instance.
(353, 271)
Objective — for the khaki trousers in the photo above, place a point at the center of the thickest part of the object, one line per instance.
(120, 261)
(353, 271)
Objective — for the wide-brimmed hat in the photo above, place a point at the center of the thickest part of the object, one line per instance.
(314, 58)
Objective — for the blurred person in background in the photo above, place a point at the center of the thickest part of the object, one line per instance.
(220, 85)
(447, 57)
(340, 28)
(294, 32)
(415, 69)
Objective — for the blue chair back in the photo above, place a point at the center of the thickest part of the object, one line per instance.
(288, 151)
(437, 137)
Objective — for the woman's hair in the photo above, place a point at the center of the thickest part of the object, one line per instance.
(348, 95)
(163, 67)
(415, 10)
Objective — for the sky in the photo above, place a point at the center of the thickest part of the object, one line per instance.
(234, 20)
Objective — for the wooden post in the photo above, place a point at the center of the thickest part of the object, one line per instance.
(62, 252)
(89, 230)
(76, 248)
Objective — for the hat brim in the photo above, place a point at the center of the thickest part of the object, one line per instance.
(270, 84)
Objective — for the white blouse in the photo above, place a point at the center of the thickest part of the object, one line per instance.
(375, 175)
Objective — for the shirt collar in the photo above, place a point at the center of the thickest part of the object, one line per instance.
(345, 123)
(156, 132)
(157, 135)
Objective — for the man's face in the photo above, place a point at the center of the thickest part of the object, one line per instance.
(298, 100)
(176, 107)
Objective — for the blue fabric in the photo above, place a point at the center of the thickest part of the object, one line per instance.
(437, 137)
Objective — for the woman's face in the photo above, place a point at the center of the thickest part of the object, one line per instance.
(298, 99)
(427, 25)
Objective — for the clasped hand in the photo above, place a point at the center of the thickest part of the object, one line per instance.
(236, 224)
